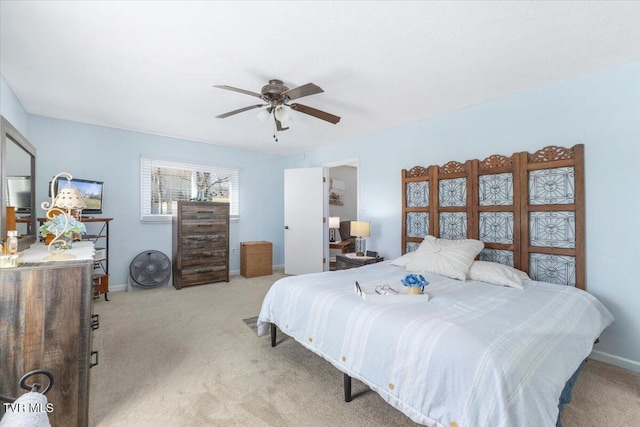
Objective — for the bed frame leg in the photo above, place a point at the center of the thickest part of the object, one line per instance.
(273, 335)
(347, 388)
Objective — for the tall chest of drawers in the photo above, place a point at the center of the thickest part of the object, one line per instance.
(200, 243)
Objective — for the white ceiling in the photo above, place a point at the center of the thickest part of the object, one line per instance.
(150, 66)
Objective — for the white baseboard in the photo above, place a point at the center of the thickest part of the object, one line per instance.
(118, 288)
(620, 362)
(274, 267)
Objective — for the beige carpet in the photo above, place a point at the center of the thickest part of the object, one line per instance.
(186, 358)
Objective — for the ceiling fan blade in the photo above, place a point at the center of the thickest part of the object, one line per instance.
(235, 89)
(231, 113)
(304, 90)
(316, 113)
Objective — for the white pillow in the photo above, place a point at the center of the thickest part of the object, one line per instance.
(403, 260)
(497, 274)
(450, 258)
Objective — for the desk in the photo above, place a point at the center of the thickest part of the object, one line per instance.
(344, 246)
(24, 220)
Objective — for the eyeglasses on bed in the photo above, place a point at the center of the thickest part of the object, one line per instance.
(358, 288)
(383, 289)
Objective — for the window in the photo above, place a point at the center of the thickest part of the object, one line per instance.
(164, 182)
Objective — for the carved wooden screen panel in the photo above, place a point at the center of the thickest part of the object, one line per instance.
(496, 209)
(528, 209)
(552, 215)
(416, 200)
(452, 207)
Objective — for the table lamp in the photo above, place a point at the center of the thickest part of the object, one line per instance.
(67, 199)
(334, 222)
(360, 229)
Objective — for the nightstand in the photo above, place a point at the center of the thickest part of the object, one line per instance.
(344, 246)
(347, 261)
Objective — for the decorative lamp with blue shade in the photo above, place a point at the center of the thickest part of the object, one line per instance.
(360, 229)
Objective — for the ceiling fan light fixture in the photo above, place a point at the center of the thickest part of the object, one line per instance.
(287, 123)
(263, 115)
(277, 97)
(282, 113)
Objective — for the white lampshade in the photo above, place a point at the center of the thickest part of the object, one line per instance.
(282, 113)
(334, 222)
(360, 228)
(69, 197)
(263, 115)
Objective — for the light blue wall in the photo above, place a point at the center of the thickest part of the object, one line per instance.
(113, 156)
(11, 108)
(600, 110)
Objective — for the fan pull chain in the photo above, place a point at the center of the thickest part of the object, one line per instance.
(275, 127)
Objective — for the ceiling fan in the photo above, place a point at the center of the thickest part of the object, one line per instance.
(277, 97)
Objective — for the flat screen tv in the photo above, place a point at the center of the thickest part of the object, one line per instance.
(91, 191)
(19, 193)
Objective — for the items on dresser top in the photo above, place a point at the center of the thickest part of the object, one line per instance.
(38, 252)
(98, 229)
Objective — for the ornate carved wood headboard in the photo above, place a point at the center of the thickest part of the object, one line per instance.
(528, 209)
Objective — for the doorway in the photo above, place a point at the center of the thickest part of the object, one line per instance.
(343, 205)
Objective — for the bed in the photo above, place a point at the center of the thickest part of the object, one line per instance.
(476, 353)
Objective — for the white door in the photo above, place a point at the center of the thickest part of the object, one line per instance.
(305, 201)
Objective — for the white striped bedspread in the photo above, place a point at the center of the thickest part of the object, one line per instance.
(475, 354)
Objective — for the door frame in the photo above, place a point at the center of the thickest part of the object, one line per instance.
(355, 162)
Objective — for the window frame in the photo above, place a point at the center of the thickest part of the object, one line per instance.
(147, 162)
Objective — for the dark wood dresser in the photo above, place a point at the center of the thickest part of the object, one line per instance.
(200, 243)
(46, 323)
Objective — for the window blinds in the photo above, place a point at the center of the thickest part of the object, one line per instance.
(164, 182)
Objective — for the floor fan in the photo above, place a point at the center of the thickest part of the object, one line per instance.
(149, 269)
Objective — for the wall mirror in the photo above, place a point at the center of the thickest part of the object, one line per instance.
(18, 176)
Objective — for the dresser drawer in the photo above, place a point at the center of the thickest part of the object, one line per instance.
(204, 258)
(191, 212)
(199, 227)
(199, 276)
(203, 242)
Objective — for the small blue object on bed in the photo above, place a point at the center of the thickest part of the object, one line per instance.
(475, 353)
